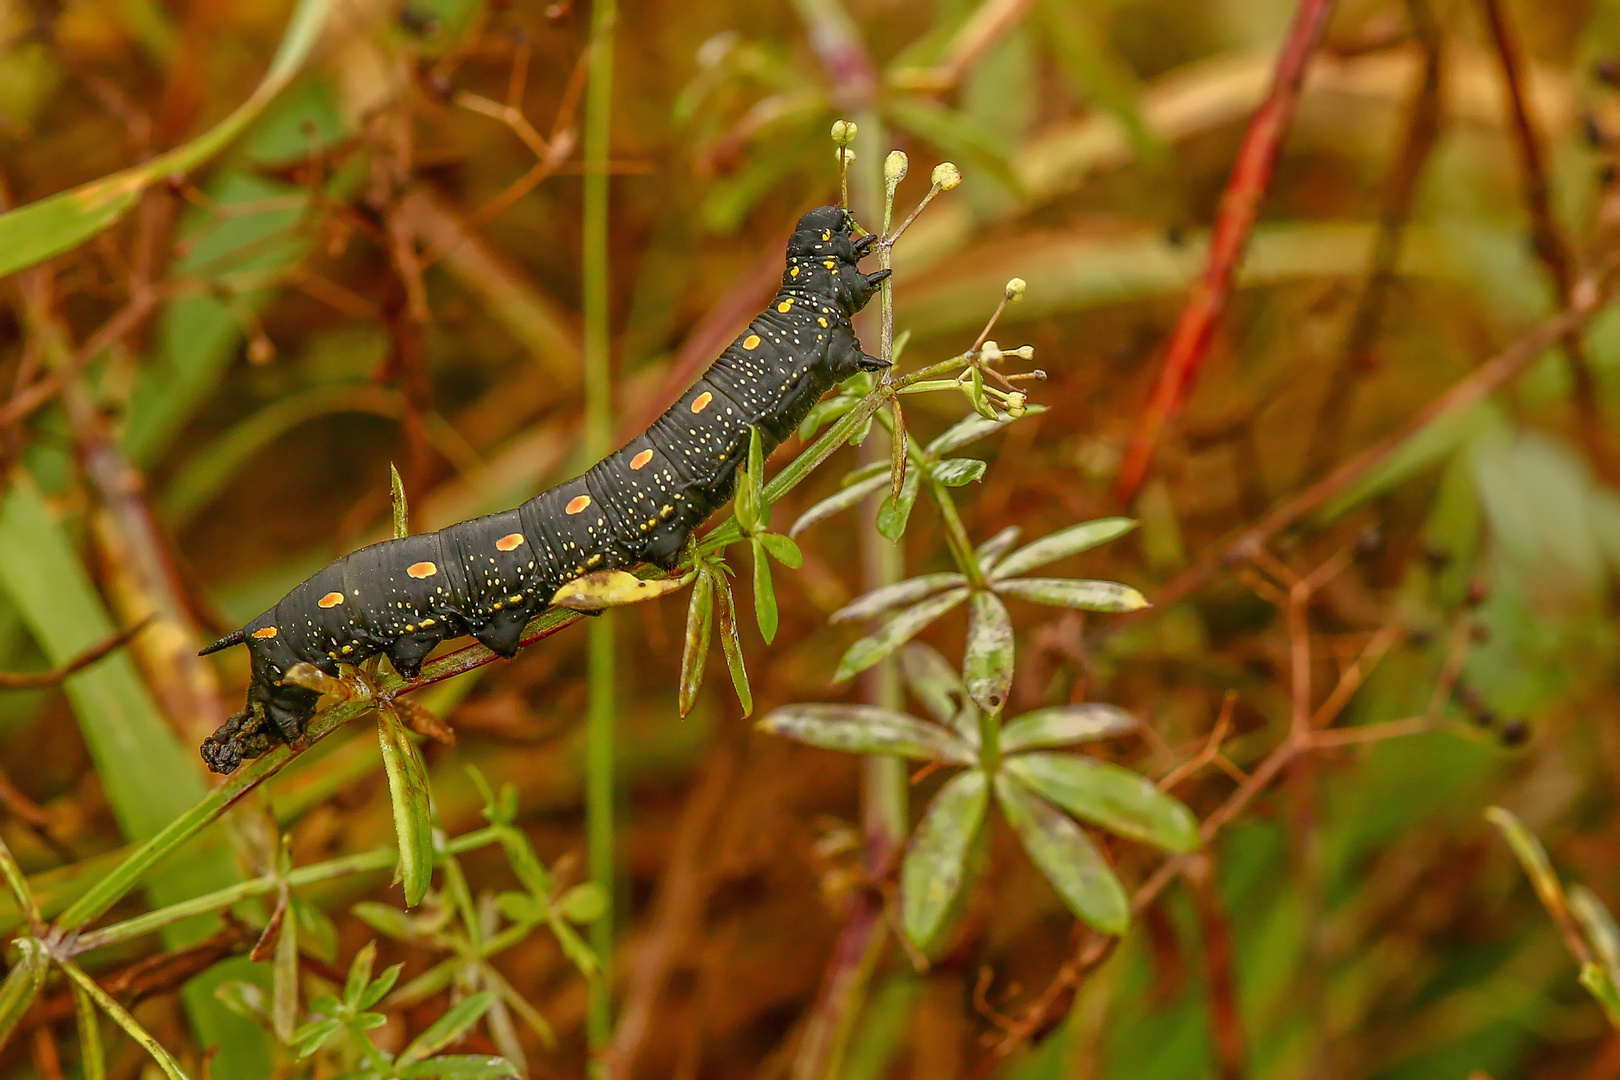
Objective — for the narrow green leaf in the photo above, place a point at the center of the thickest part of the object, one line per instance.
(888, 597)
(121, 1016)
(92, 1051)
(574, 947)
(461, 1067)
(899, 630)
(1066, 855)
(413, 818)
(764, 593)
(695, 653)
(358, 979)
(1063, 543)
(957, 472)
(378, 988)
(974, 390)
(402, 511)
(898, 443)
(936, 859)
(1073, 593)
(825, 412)
(1115, 798)
(991, 551)
(1598, 925)
(22, 983)
(756, 464)
(33, 233)
(312, 1036)
(385, 919)
(449, 1028)
(832, 504)
(894, 513)
(731, 646)
(972, 428)
(867, 729)
(1531, 855)
(783, 550)
(745, 501)
(1065, 725)
(987, 663)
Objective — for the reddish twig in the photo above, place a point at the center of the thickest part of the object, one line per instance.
(32, 680)
(1251, 175)
(1545, 236)
(1225, 1019)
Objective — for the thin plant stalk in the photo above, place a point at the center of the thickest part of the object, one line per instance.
(600, 787)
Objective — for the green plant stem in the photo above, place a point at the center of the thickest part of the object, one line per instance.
(380, 859)
(600, 789)
(123, 1019)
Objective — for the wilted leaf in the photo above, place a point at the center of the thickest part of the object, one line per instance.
(1066, 855)
(764, 593)
(899, 594)
(695, 652)
(408, 791)
(731, 646)
(987, 663)
(936, 859)
(449, 1028)
(893, 514)
(1063, 543)
(843, 500)
(613, 588)
(957, 472)
(1119, 800)
(1064, 725)
(867, 729)
(1073, 593)
(899, 630)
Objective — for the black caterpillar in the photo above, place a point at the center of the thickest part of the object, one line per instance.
(489, 576)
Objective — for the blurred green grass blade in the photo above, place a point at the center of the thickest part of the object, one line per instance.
(51, 226)
(92, 1052)
(148, 777)
(936, 860)
(408, 790)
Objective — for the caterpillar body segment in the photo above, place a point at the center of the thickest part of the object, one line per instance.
(489, 576)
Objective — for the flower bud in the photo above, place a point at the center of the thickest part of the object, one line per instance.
(1015, 404)
(990, 351)
(1024, 352)
(844, 154)
(946, 176)
(1015, 290)
(843, 132)
(895, 166)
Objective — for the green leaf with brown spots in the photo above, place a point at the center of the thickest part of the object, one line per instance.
(936, 859)
(889, 597)
(695, 652)
(868, 729)
(1064, 725)
(987, 663)
(896, 632)
(1115, 798)
(1063, 543)
(1066, 855)
(1108, 596)
(833, 504)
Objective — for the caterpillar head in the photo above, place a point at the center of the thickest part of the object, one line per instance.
(822, 256)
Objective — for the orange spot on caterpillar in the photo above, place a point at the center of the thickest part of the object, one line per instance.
(701, 402)
(751, 342)
(785, 305)
(641, 459)
(331, 599)
(509, 541)
(265, 632)
(578, 504)
(421, 569)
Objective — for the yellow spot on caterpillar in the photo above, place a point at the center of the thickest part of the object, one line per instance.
(826, 235)
(577, 504)
(331, 599)
(421, 570)
(793, 272)
(346, 650)
(429, 622)
(785, 305)
(641, 459)
(751, 342)
(509, 541)
(593, 560)
(410, 628)
(822, 320)
(829, 264)
(265, 632)
(701, 402)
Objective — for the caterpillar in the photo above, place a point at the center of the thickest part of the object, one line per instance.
(489, 576)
